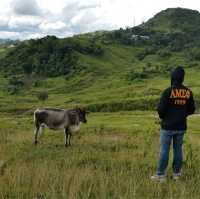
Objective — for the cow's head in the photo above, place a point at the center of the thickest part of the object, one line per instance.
(82, 114)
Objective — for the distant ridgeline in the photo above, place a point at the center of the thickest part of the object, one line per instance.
(8, 42)
(170, 31)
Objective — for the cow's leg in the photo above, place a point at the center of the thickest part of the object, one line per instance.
(37, 127)
(41, 129)
(69, 135)
(66, 136)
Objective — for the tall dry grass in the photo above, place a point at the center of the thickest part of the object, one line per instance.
(103, 162)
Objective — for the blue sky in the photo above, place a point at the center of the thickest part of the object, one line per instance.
(25, 19)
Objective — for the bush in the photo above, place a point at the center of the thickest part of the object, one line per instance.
(94, 49)
(164, 53)
(144, 73)
(141, 55)
(136, 75)
(42, 96)
(147, 51)
(149, 70)
(194, 54)
(15, 83)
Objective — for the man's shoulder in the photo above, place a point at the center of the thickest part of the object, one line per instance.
(167, 91)
(185, 87)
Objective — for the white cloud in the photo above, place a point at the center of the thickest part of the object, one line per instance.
(26, 7)
(33, 36)
(69, 12)
(53, 6)
(7, 34)
(47, 26)
(87, 21)
(85, 18)
(24, 23)
(3, 22)
(36, 18)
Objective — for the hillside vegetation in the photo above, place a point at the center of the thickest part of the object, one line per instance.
(175, 20)
(104, 71)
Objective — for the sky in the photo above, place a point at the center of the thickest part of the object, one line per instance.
(25, 19)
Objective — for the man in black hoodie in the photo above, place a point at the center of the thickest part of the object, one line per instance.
(176, 103)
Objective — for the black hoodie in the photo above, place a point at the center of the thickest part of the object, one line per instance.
(176, 103)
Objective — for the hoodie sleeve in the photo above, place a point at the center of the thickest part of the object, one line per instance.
(162, 106)
(191, 105)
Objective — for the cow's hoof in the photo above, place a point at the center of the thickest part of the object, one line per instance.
(66, 145)
(36, 142)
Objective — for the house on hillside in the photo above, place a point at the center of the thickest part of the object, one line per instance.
(11, 46)
(138, 37)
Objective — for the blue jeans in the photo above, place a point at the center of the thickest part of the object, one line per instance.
(166, 136)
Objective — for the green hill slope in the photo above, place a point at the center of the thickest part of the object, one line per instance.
(175, 20)
(104, 71)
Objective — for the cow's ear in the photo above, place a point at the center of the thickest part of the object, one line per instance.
(77, 108)
(82, 109)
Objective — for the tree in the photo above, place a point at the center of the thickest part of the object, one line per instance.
(27, 68)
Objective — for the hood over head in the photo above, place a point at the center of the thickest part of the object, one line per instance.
(177, 76)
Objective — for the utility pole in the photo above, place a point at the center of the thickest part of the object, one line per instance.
(133, 21)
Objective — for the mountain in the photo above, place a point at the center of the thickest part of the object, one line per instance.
(124, 69)
(171, 30)
(8, 41)
(175, 20)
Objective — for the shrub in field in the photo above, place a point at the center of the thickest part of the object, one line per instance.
(42, 96)
(37, 83)
(94, 48)
(15, 83)
(194, 54)
(193, 64)
(136, 75)
(147, 71)
(197, 102)
(140, 56)
(164, 53)
(147, 51)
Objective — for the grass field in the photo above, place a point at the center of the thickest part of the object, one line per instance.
(113, 156)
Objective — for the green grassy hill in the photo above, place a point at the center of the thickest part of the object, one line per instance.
(175, 20)
(111, 82)
(104, 71)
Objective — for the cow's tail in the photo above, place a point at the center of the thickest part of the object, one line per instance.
(35, 115)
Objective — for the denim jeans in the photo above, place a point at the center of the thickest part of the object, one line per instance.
(166, 136)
